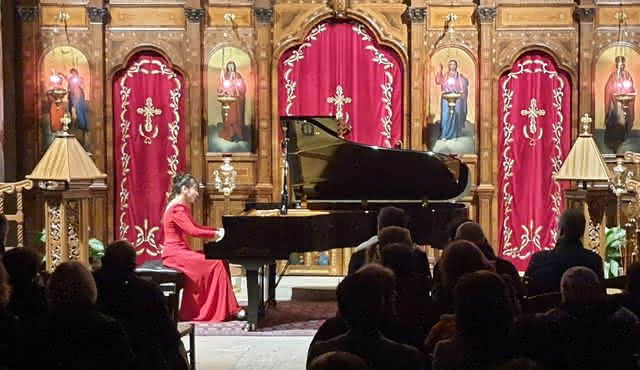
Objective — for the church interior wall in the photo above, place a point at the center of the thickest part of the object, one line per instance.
(489, 37)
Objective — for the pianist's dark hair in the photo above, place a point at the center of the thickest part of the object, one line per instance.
(180, 180)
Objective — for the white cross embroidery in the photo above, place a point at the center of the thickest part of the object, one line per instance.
(340, 100)
(532, 129)
(148, 111)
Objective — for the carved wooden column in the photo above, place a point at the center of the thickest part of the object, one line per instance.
(416, 56)
(67, 176)
(267, 148)
(193, 65)
(27, 99)
(98, 16)
(487, 202)
(585, 56)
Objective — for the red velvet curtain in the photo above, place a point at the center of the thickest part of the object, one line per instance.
(534, 140)
(340, 70)
(148, 113)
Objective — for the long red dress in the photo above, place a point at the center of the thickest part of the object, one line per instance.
(208, 293)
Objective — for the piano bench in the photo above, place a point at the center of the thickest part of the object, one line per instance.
(171, 282)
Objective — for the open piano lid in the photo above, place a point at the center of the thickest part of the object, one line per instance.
(324, 167)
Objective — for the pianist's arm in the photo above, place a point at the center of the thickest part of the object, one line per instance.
(182, 217)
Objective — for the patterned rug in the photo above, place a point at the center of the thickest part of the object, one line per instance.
(287, 319)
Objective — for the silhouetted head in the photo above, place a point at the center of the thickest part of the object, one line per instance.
(391, 216)
(338, 361)
(483, 306)
(71, 287)
(23, 265)
(452, 227)
(571, 224)
(364, 297)
(393, 234)
(119, 258)
(459, 258)
(472, 231)
(580, 286)
(398, 257)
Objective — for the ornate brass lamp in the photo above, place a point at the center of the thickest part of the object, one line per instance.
(66, 175)
(225, 180)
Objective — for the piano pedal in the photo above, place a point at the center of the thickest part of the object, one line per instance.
(249, 327)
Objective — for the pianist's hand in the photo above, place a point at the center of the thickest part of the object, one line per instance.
(219, 234)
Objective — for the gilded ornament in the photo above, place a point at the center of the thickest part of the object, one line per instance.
(585, 14)
(485, 15)
(530, 131)
(264, 15)
(148, 111)
(28, 13)
(194, 15)
(417, 15)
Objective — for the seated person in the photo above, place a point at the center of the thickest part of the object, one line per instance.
(361, 304)
(11, 344)
(630, 298)
(77, 335)
(28, 299)
(584, 318)
(472, 231)
(140, 307)
(484, 318)
(416, 311)
(546, 267)
(387, 216)
(459, 258)
(338, 361)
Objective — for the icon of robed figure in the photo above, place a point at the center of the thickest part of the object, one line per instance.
(452, 122)
(619, 115)
(232, 84)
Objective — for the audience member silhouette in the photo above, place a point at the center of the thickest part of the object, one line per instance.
(338, 361)
(484, 319)
(630, 298)
(546, 267)
(415, 310)
(78, 336)
(28, 299)
(585, 319)
(11, 343)
(387, 216)
(472, 231)
(361, 302)
(459, 258)
(140, 307)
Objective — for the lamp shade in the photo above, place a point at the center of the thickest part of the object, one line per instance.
(584, 162)
(66, 161)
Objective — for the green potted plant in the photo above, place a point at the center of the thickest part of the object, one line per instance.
(615, 239)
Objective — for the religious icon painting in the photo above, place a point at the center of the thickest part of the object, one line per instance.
(451, 112)
(64, 94)
(616, 73)
(230, 101)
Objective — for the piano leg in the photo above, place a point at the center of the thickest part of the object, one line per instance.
(254, 296)
(271, 293)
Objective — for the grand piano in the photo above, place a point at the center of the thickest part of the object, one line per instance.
(330, 199)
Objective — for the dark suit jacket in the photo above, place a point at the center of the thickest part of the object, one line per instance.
(378, 352)
(547, 267)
